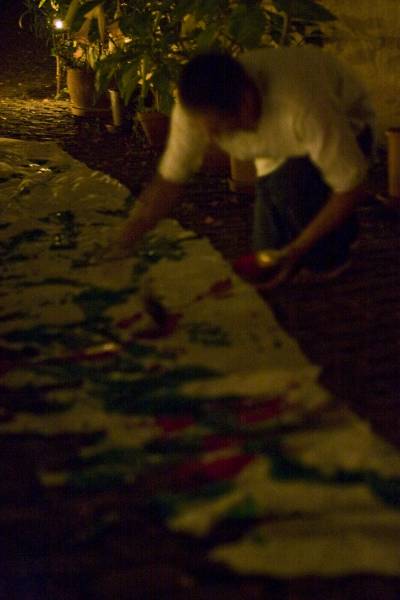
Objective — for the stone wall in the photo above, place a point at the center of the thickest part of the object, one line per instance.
(367, 35)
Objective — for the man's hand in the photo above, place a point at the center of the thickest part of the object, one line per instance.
(132, 232)
(284, 265)
(267, 268)
(332, 215)
(154, 203)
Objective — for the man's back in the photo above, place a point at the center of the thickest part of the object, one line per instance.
(309, 74)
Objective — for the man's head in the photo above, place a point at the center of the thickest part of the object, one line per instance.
(215, 88)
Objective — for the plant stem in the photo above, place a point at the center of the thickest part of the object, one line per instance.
(287, 21)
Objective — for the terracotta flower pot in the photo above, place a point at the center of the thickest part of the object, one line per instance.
(116, 107)
(82, 93)
(155, 126)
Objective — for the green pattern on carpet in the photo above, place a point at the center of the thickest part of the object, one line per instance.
(165, 365)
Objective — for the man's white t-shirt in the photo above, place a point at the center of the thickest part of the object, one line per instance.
(312, 105)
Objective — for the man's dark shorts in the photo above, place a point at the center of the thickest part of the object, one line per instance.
(289, 198)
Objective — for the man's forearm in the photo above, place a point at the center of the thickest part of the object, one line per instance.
(335, 212)
(155, 202)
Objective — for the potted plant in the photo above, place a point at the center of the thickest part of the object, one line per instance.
(138, 48)
(86, 39)
(159, 37)
(145, 66)
(80, 33)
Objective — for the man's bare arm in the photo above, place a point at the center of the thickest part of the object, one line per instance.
(333, 214)
(155, 202)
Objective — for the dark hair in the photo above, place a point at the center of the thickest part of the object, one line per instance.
(213, 80)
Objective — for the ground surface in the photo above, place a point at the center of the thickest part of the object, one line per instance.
(349, 326)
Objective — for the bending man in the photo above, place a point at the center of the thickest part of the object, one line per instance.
(306, 122)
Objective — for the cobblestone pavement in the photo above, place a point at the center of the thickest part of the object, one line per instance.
(208, 204)
(350, 327)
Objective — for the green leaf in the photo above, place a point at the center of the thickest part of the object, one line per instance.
(155, 248)
(45, 335)
(306, 10)
(29, 235)
(387, 489)
(167, 503)
(175, 446)
(106, 71)
(78, 19)
(153, 394)
(315, 37)
(205, 8)
(132, 457)
(205, 40)
(245, 509)
(96, 479)
(128, 81)
(161, 83)
(207, 334)
(30, 399)
(185, 7)
(138, 24)
(96, 300)
(49, 281)
(158, 402)
(247, 25)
